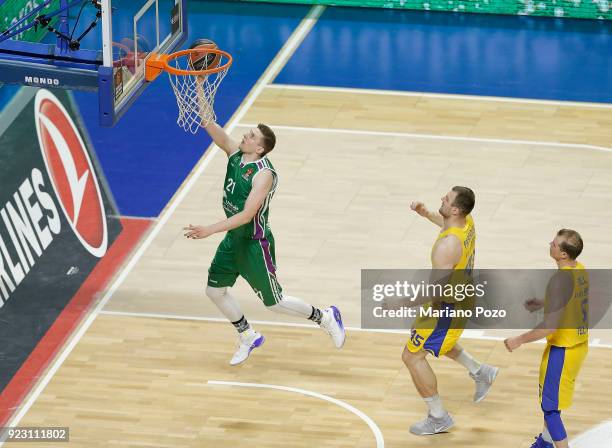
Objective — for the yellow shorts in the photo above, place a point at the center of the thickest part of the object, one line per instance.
(437, 335)
(558, 372)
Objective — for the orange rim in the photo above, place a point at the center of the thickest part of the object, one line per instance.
(163, 62)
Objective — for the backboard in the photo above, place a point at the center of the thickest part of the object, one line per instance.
(79, 54)
(141, 27)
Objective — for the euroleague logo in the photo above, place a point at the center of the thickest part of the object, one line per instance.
(71, 172)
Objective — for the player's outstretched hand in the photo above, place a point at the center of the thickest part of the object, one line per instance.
(419, 207)
(512, 344)
(197, 232)
(533, 304)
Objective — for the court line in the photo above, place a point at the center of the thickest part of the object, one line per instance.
(596, 437)
(433, 136)
(592, 438)
(277, 63)
(441, 96)
(467, 334)
(380, 441)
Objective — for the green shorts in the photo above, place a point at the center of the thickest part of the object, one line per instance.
(254, 260)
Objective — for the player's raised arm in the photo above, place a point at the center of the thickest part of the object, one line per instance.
(221, 138)
(420, 208)
(216, 132)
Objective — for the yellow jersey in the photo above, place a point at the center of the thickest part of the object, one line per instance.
(573, 326)
(467, 238)
(438, 335)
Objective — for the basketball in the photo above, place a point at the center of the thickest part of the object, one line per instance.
(204, 59)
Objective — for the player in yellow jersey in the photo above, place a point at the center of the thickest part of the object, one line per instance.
(565, 327)
(454, 250)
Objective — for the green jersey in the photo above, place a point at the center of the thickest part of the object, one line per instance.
(236, 188)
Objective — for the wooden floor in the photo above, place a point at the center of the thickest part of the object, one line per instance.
(444, 115)
(343, 205)
(137, 382)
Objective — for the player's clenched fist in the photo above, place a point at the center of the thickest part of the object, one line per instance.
(419, 207)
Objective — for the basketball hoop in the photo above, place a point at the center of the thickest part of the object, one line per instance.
(195, 90)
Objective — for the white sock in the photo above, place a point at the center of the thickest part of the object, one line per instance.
(466, 360)
(436, 409)
(546, 435)
(292, 306)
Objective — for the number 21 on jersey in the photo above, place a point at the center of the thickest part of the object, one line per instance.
(230, 185)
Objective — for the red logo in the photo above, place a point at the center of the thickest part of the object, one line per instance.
(71, 172)
(246, 175)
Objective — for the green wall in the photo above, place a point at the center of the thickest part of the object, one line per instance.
(12, 10)
(588, 9)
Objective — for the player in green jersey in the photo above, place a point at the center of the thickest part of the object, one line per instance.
(248, 247)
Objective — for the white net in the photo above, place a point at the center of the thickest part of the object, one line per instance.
(195, 95)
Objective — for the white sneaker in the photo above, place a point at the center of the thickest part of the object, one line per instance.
(246, 344)
(432, 425)
(331, 322)
(484, 380)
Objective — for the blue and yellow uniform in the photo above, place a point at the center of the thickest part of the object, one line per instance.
(567, 347)
(438, 335)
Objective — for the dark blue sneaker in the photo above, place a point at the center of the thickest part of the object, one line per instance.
(541, 443)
